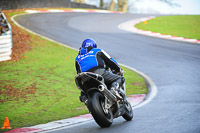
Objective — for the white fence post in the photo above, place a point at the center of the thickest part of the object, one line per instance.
(6, 42)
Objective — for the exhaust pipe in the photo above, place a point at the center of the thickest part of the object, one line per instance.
(105, 91)
(101, 88)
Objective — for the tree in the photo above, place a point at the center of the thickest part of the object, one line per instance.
(170, 2)
(120, 2)
(101, 3)
(112, 5)
(123, 4)
(80, 1)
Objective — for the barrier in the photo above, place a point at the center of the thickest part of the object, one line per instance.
(6, 42)
(21, 4)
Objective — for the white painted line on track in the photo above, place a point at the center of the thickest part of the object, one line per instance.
(54, 10)
(151, 86)
(141, 101)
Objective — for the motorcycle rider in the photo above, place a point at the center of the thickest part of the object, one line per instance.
(92, 59)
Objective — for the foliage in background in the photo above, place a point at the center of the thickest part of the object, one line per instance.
(119, 5)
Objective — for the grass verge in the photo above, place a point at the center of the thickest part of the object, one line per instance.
(186, 26)
(40, 87)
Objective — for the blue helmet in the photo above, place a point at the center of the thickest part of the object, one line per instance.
(89, 42)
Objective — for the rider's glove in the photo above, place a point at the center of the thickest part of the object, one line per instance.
(121, 72)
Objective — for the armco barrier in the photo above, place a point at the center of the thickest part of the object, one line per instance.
(6, 43)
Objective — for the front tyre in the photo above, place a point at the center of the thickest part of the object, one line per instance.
(102, 116)
(129, 112)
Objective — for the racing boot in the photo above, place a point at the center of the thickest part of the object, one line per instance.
(83, 98)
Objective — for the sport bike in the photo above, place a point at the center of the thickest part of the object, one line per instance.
(104, 104)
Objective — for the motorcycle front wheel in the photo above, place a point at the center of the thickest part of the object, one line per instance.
(129, 112)
(102, 116)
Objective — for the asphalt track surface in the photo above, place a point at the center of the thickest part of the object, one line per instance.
(173, 66)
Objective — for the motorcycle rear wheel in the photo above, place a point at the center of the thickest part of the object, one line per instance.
(97, 107)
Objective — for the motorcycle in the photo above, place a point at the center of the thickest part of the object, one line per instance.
(102, 103)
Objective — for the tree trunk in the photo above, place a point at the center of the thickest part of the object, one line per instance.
(101, 3)
(77, 1)
(112, 5)
(80, 1)
(125, 6)
(120, 5)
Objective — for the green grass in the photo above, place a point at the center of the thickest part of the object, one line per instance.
(186, 26)
(40, 87)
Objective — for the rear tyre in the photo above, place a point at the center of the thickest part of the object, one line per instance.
(129, 112)
(102, 116)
